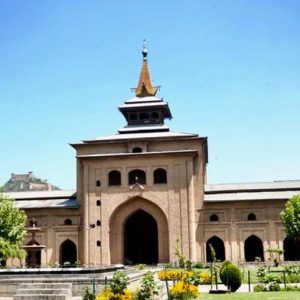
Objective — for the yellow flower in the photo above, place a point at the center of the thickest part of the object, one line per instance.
(184, 290)
(107, 294)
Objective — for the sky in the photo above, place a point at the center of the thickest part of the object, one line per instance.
(229, 69)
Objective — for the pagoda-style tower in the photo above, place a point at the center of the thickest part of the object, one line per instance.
(146, 112)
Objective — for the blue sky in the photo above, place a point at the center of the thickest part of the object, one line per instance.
(229, 69)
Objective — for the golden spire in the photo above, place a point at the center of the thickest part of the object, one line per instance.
(145, 87)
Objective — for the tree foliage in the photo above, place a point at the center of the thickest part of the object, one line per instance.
(12, 229)
(230, 275)
(290, 217)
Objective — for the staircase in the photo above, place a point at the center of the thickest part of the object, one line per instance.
(44, 291)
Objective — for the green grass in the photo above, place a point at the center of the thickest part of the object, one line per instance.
(253, 296)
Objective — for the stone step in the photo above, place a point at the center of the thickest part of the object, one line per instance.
(43, 285)
(43, 291)
(42, 297)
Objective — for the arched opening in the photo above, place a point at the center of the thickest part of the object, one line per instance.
(140, 239)
(218, 246)
(67, 253)
(68, 222)
(291, 250)
(137, 150)
(137, 176)
(114, 178)
(98, 183)
(214, 218)
(253, 248)
(252, 217)
(126, 214)
(33, 258)
(160, 176)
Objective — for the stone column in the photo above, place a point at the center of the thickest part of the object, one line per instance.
(191, 208)
(86, 260)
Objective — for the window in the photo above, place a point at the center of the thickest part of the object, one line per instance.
(137, 150)
(251, 217)
(137, 176)
(98, 223)
(98, 243)
(98, 183)
(133, 116)
(214, 218)
(144, 116)
(160, 176)
(154, 115)
(98, 202)
(68, 222)
(114, 178)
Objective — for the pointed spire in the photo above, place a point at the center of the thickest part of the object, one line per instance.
(145, 87)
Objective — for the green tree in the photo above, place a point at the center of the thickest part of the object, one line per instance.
(12, 229)
(290, 217)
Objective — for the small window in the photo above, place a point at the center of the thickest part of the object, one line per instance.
(251, 217)
(98, 202)
(98, 243)
(133, 116)
(137, 150)
(160, 176)
(98, 223)
(144, 116)
(68, 222)
(214, 218)
(137, 176)
(154, 115)
(98, 183)
(114, 178)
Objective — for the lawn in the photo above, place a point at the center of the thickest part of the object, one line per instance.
(252, 296)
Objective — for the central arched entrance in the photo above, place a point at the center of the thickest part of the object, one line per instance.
(140, 239)
(67, 253)
(138, 233)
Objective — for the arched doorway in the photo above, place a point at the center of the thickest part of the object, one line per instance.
(218, 247)
(253, 248)
(138, 213)
(67, 252)
(291, 250)
(140, 239)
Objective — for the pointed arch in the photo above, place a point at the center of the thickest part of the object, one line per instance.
(218, 246)
(117, 226)
(253, 248)
(67, 252)
(291, 250)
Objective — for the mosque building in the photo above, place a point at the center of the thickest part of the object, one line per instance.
(142, 192)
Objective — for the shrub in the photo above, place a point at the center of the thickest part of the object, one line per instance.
(174, 275)
(107, 294)
(261, 273)
(198, 265)
(148, 287)
(183, 290)
(140, 267)
(87, 295)
(117, 289)
(272, 278)
(230, 276)
(274, 286)
(293, 278)
(119, 282)
(205, 278)
(259, 288)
